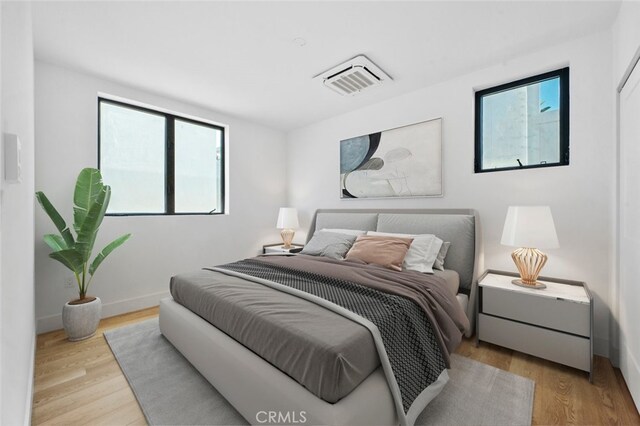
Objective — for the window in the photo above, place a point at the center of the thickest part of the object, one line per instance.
(158, 163)
(523, 124)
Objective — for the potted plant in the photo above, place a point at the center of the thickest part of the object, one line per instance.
(80, 317)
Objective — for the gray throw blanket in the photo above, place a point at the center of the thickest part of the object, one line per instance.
(415, 340)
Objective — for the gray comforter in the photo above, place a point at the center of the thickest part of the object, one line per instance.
(328, 354)
(323, 352)
(427, 291)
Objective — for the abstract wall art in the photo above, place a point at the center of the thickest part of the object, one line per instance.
(401, 162)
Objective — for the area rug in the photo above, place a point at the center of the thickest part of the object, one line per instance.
(172, 392)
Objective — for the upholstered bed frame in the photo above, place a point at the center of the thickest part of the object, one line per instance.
(252, 385)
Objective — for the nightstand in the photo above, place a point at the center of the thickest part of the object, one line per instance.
(555, 323)
(278, 248)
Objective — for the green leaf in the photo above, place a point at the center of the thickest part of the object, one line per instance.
(57, 220)
(70, 258)
(55, 242)
(106, 251)
(88, 187)
(93, 220)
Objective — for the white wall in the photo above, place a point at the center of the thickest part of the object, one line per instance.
(626, 37)
(17, 324)
(579, 194)
(138, 273)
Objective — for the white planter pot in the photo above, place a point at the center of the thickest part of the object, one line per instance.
(81, 321)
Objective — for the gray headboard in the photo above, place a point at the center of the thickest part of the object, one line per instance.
(457, 226)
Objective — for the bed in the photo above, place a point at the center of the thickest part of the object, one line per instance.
(249, 368)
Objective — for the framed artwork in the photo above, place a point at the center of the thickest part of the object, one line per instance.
(396, 163)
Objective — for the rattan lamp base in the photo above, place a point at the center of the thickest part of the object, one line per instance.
(287, 237)
(529, 262)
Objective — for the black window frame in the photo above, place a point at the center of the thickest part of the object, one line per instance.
(563, 143)
(169, 175)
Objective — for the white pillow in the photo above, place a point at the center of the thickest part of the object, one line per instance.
(355, 232)
(439, 263)
(422, 253)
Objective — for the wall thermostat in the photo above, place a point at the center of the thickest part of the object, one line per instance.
(11, 158)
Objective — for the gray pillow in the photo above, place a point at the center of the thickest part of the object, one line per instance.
(439, 263)
(329, 244)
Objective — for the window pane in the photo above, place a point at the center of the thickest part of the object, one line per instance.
(521, 126)
(198, 168)
(132, 159)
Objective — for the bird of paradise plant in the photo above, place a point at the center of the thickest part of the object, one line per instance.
(90, 199)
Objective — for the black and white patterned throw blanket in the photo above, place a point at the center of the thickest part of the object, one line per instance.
(407, 335)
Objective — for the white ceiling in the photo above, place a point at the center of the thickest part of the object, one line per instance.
(241, 58)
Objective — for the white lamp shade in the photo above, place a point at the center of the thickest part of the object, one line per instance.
(287, 218)
(529, 226)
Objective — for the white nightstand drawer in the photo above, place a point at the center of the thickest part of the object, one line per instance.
(563, 348)
(558, 314)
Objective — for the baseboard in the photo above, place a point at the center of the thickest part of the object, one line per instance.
(29, 398)
(54, 322)
(631, 373)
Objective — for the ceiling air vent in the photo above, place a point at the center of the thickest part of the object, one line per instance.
(353, 76)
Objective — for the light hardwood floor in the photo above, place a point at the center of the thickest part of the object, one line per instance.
(81, 383)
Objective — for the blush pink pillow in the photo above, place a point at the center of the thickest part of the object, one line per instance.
(385, 251)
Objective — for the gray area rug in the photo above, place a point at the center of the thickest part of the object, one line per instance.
(172, 392)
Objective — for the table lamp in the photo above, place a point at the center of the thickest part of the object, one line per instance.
(529, 228)
(287, 221)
